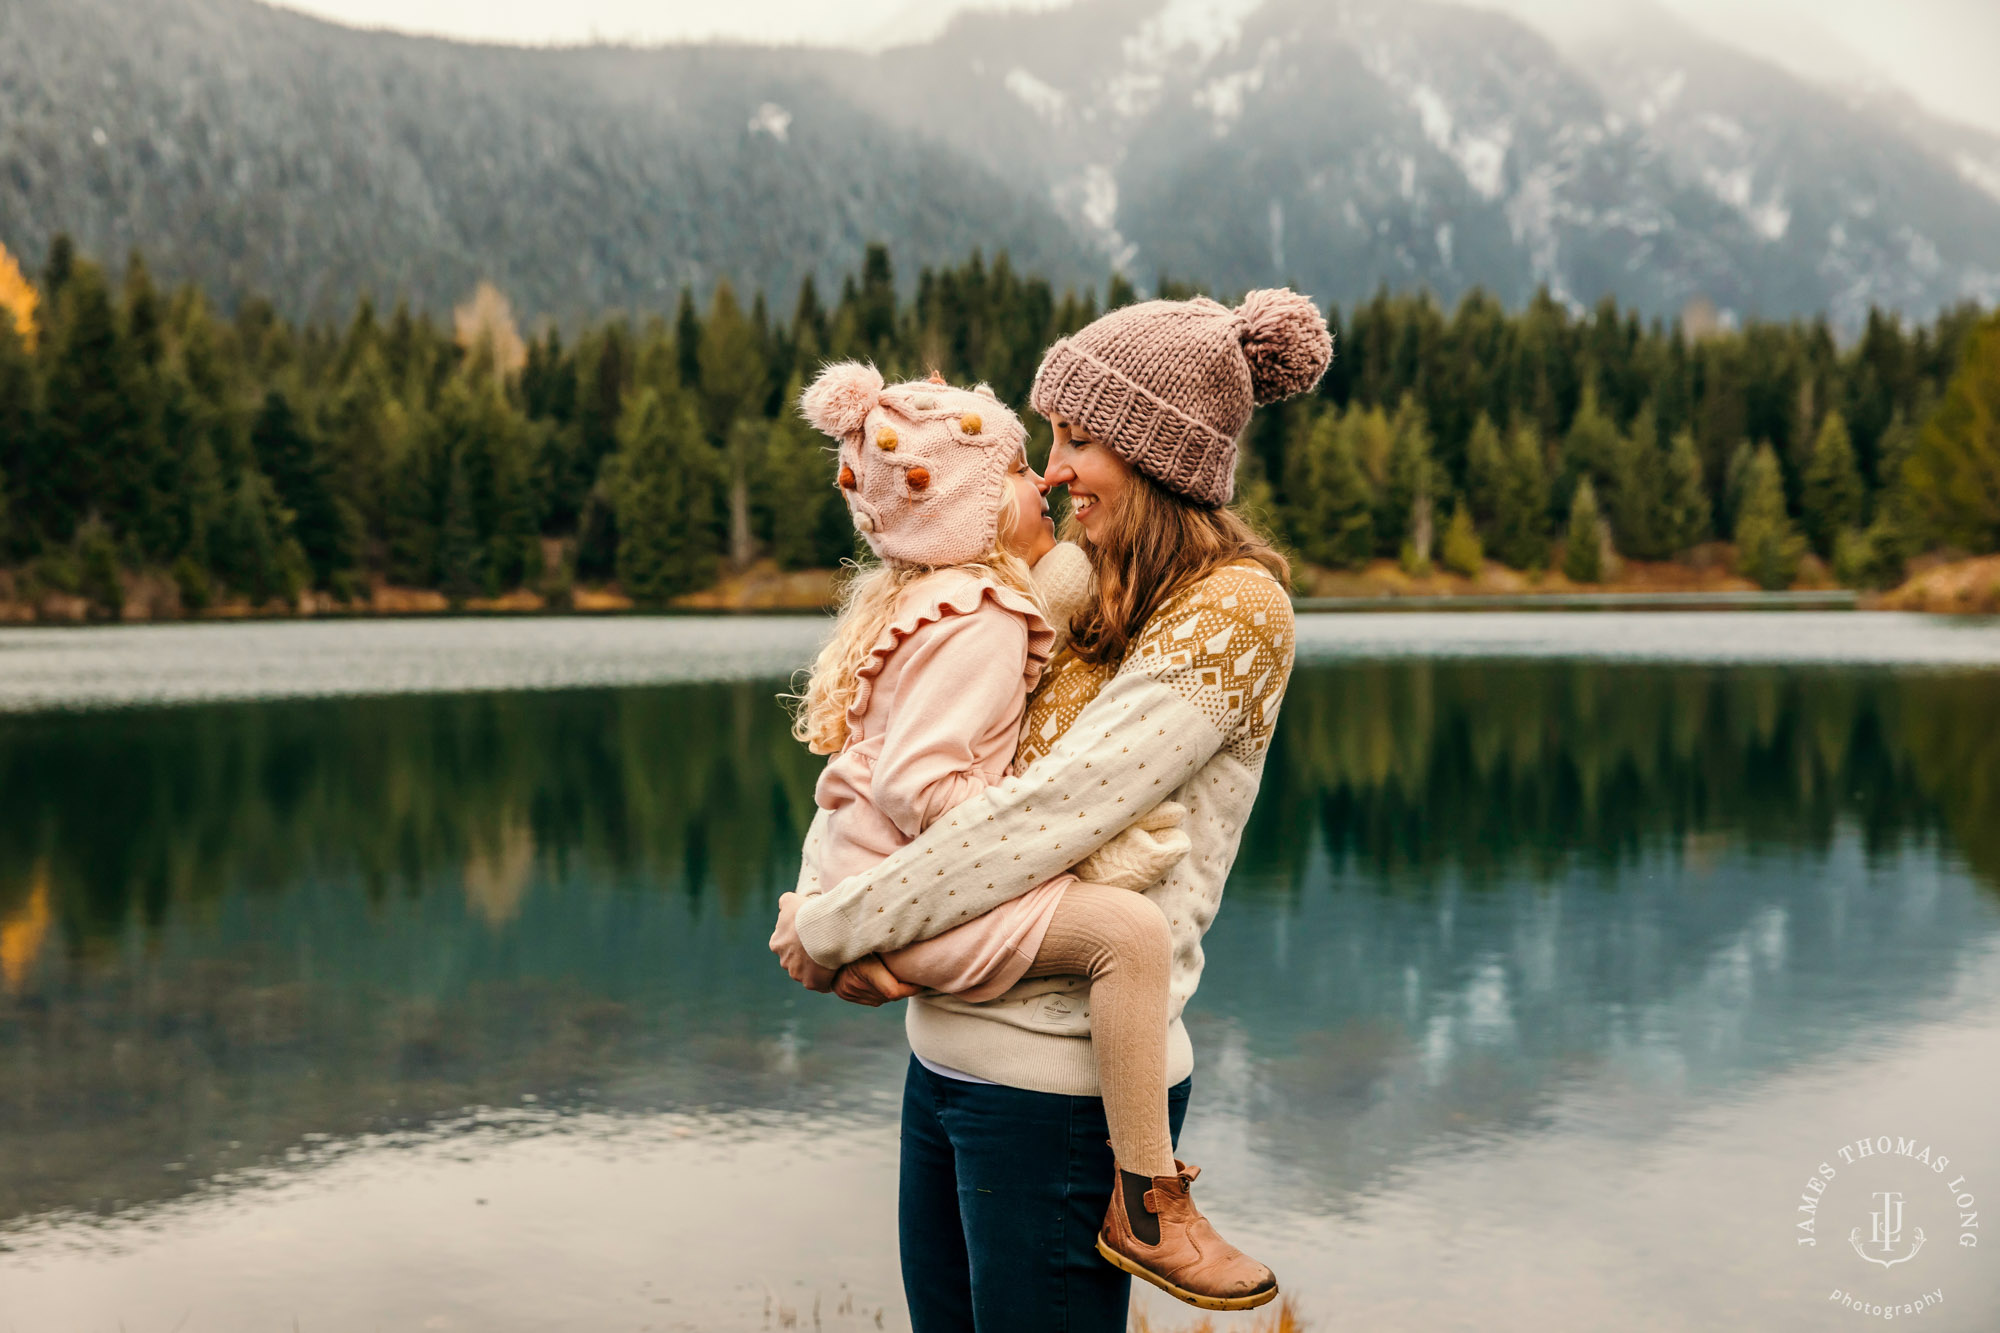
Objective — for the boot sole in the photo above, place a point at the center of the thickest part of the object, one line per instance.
(1250, 1302)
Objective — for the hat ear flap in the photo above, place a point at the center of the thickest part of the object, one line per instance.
(838, 402)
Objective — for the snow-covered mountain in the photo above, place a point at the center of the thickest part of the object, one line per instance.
(1341, 145)
(1345, 145)
(255, 150)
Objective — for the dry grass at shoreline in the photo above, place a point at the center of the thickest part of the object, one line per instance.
(1937, 584)
(1965, 587)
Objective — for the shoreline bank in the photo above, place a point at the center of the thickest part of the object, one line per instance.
(1936, 585)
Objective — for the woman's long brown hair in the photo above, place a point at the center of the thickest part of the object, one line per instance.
(1157, 543)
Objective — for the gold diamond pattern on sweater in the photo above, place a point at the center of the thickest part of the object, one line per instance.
(1225, 645)
(1067, 685)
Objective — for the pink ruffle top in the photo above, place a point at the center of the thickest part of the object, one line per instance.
(936, 721)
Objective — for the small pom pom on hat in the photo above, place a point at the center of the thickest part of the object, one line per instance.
(1169, 385)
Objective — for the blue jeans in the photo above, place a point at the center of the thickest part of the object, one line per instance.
(1001, 1195)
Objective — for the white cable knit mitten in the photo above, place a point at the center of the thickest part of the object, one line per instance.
(1141, 856)
(1064, 579)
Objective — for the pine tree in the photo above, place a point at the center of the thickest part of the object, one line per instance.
(687, 340)
(458, 539)
(1485, 472)
(665, 494)
(513, 556)
(418, 474)
(61, 265)
(1583, 540)
(98, 555)
(605, 370)
(1834, 495)
(1891, 538)
(1767, 546)
(1735, 477)
(1461, 552)
(142, 314)
(597, 526)
(20, 423)
(294, 458)
(1684, 506)
(1590, 449)
(809, 331)
(205, 506)
(1332, 517)
(254, 558)
(733, 371)
(1403, 503)
(1638, 490)
(1953, 474)
(361, 421)
(479, 432)
(138, 498)
(85, 446)
(875, 306)
(1520, 522)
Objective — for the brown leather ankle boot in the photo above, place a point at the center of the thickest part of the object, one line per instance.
(1173, 1246)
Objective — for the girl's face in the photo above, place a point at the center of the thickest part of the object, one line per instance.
(1096, 476)
(1033, 532)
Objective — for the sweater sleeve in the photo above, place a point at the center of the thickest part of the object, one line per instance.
(962, 677)
(1174, 703)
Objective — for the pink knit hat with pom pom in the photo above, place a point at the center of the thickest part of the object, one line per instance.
(923, 465)
(1169, 385)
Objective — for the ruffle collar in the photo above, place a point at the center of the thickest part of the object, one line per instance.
(950, 592)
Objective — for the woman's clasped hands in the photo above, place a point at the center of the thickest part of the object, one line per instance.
(864, 981)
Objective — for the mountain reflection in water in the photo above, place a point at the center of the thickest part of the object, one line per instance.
(1533, 930)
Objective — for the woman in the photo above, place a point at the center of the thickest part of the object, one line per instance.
(1169, 688)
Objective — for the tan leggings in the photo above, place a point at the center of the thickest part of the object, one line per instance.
(1119, 940)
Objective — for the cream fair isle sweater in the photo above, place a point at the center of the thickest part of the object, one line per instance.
(1188, 715)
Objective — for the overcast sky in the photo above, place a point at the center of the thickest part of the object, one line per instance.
(1943, 52)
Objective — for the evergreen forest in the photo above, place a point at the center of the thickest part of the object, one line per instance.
(238, 459)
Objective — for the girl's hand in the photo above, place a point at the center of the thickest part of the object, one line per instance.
(785, 944)
(869, 981)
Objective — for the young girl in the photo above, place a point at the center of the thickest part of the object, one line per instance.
(919, 697)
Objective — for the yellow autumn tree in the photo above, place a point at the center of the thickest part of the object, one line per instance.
(18, 297)
(488, 319)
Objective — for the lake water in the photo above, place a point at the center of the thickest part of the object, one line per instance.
(412, 976)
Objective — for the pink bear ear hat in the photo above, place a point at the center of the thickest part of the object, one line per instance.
(923, 465)
(1169, 385)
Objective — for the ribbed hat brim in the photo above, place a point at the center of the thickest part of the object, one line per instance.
(1168, 445)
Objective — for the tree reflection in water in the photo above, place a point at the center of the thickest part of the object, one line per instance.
(227, 931)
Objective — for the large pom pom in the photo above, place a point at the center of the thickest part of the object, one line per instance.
(838, 402)
(1285, 341)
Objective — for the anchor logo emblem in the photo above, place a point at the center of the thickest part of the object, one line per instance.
(1887, 1232)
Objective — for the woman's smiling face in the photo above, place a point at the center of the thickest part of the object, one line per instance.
(1096, 476)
